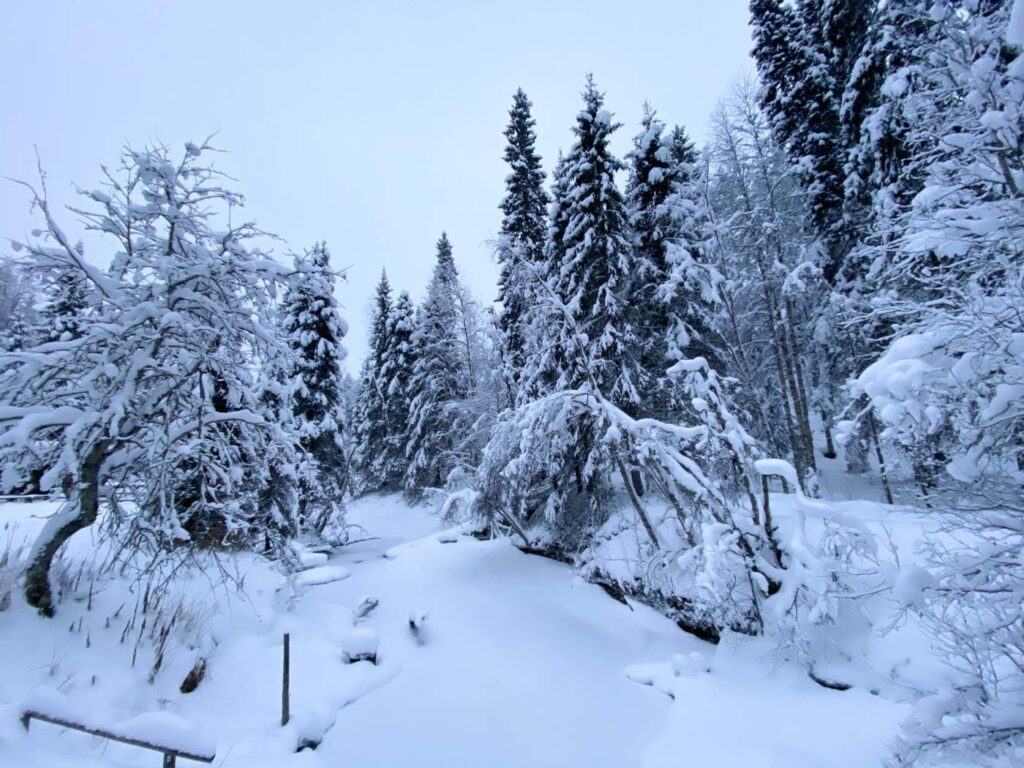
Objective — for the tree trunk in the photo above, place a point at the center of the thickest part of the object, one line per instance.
(830, 446)
(882, 470)
(38, 590)
(638, 482)
(637, 506)
(801, 388)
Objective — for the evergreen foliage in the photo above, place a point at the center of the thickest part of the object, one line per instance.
(440, 379)
(315, 331)
(523, 229)
(373, 430)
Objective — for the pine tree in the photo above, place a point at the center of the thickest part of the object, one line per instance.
(670, 302)
(440, 380)
(878, 124)
(373, 433)
(807, 53)
(65, 310)
(315, 330)
(523, 229)
(805, 56)
(278, 494)
(591, 262)
(397, 369)
(543, 358)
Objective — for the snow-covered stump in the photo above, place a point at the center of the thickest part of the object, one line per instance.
(360, 645)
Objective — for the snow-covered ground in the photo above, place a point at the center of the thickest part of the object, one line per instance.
(514, 661)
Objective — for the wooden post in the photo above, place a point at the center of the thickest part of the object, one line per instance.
(285, 716)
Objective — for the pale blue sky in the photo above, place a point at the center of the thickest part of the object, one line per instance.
(371, 125)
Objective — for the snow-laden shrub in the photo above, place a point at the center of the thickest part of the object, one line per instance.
(713, 553)
(951, 277)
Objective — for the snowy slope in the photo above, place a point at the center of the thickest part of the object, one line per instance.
(516, 661)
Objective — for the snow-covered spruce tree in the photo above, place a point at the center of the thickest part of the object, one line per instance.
(19, 313)
(673, 289)
(805, 54)
(315, 330)
(595, 259)
(587, 265)
(398, 366)
(22, 324)
(440, 379)
(542, 357)
(953, 273)
(131, 398)
(877, 129)
(348, 387)
(17, 297)
(373, 433)
(523, 230)
(66, 304)
(288, 466)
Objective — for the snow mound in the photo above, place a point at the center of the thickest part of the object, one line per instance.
(324, 574)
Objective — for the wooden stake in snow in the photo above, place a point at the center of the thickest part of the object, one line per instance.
(285, 715)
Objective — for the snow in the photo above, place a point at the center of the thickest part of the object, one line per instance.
(749, 712)
(321, 575)
(1015, 33)
(523, 663)
(772, 467)
(361, 643)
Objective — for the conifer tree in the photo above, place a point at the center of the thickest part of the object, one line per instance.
(543, 358)
(591, 262)
(397, 368)
(523, 229)
(315, 330)
(372, 431)
(64, 311)
(439, 381)
(805, 56)
(669, 303)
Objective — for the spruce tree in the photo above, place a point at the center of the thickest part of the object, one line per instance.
(543, 358)
(670, 302)
(805, 56)
(397, 368)
(523, 230)
(315, 331)
(65, 310)
(807, 53)
(372, 431)
(879, 126)
(439, 380)
(592, 261)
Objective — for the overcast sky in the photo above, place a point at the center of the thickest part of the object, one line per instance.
(371, 125)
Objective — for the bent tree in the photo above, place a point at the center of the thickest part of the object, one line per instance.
(155, 401)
